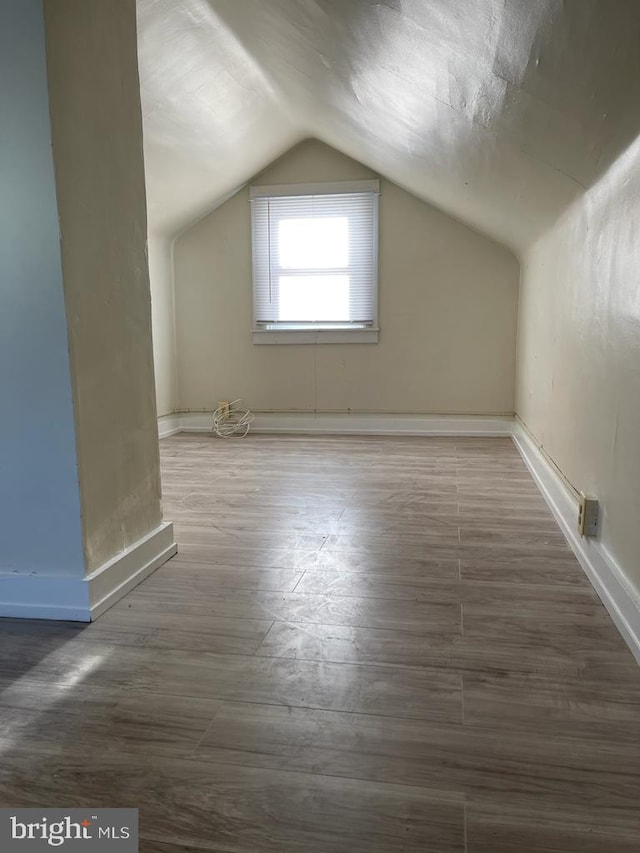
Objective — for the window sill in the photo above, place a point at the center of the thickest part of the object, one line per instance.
(315, 336)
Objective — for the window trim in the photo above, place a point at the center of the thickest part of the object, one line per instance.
(362, 334)
(316, 336)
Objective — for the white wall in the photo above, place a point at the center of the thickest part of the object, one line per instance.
(160, 250)
(39, 491)
(448, 306)
(579, 351)
(498, 112)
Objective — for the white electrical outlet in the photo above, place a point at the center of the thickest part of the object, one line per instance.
(588, 514)
(224, 407)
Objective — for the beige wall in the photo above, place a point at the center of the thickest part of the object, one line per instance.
(160, 250)
(97, 144)
(579, 351)
(448, 306)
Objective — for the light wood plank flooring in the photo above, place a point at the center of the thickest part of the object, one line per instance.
(364, 645)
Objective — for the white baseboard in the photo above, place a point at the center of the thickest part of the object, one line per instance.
(606, 576)
(117, 577)
(84, 599)
(352, 424)
(168, 425)
(196, 421)
(383, 424)
(40, 597)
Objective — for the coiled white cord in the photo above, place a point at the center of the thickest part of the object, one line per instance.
(228, 421)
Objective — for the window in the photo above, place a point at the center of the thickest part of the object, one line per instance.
(315, 253)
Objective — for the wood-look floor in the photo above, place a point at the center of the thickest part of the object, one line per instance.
(363, 646)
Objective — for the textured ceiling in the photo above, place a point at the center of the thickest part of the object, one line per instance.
(497, 111)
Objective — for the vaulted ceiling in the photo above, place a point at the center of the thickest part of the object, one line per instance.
(499, 112)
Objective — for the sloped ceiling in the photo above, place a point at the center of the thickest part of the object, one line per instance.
(499, 112)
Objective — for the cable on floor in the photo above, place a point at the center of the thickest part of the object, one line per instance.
(229, 421)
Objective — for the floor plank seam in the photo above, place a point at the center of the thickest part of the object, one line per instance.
(208, 728)
(464, 722)
(264, 639)
(432, 669)
(432, 720)
(465, 829)
(298, 582)
(358, 625)
(443, 793)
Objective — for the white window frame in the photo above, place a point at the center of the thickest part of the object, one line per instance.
(297, 335)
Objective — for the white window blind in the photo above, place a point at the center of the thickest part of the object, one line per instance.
(315, 258)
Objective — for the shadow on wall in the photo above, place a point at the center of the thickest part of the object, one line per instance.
(508, 112)
(584, 60)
